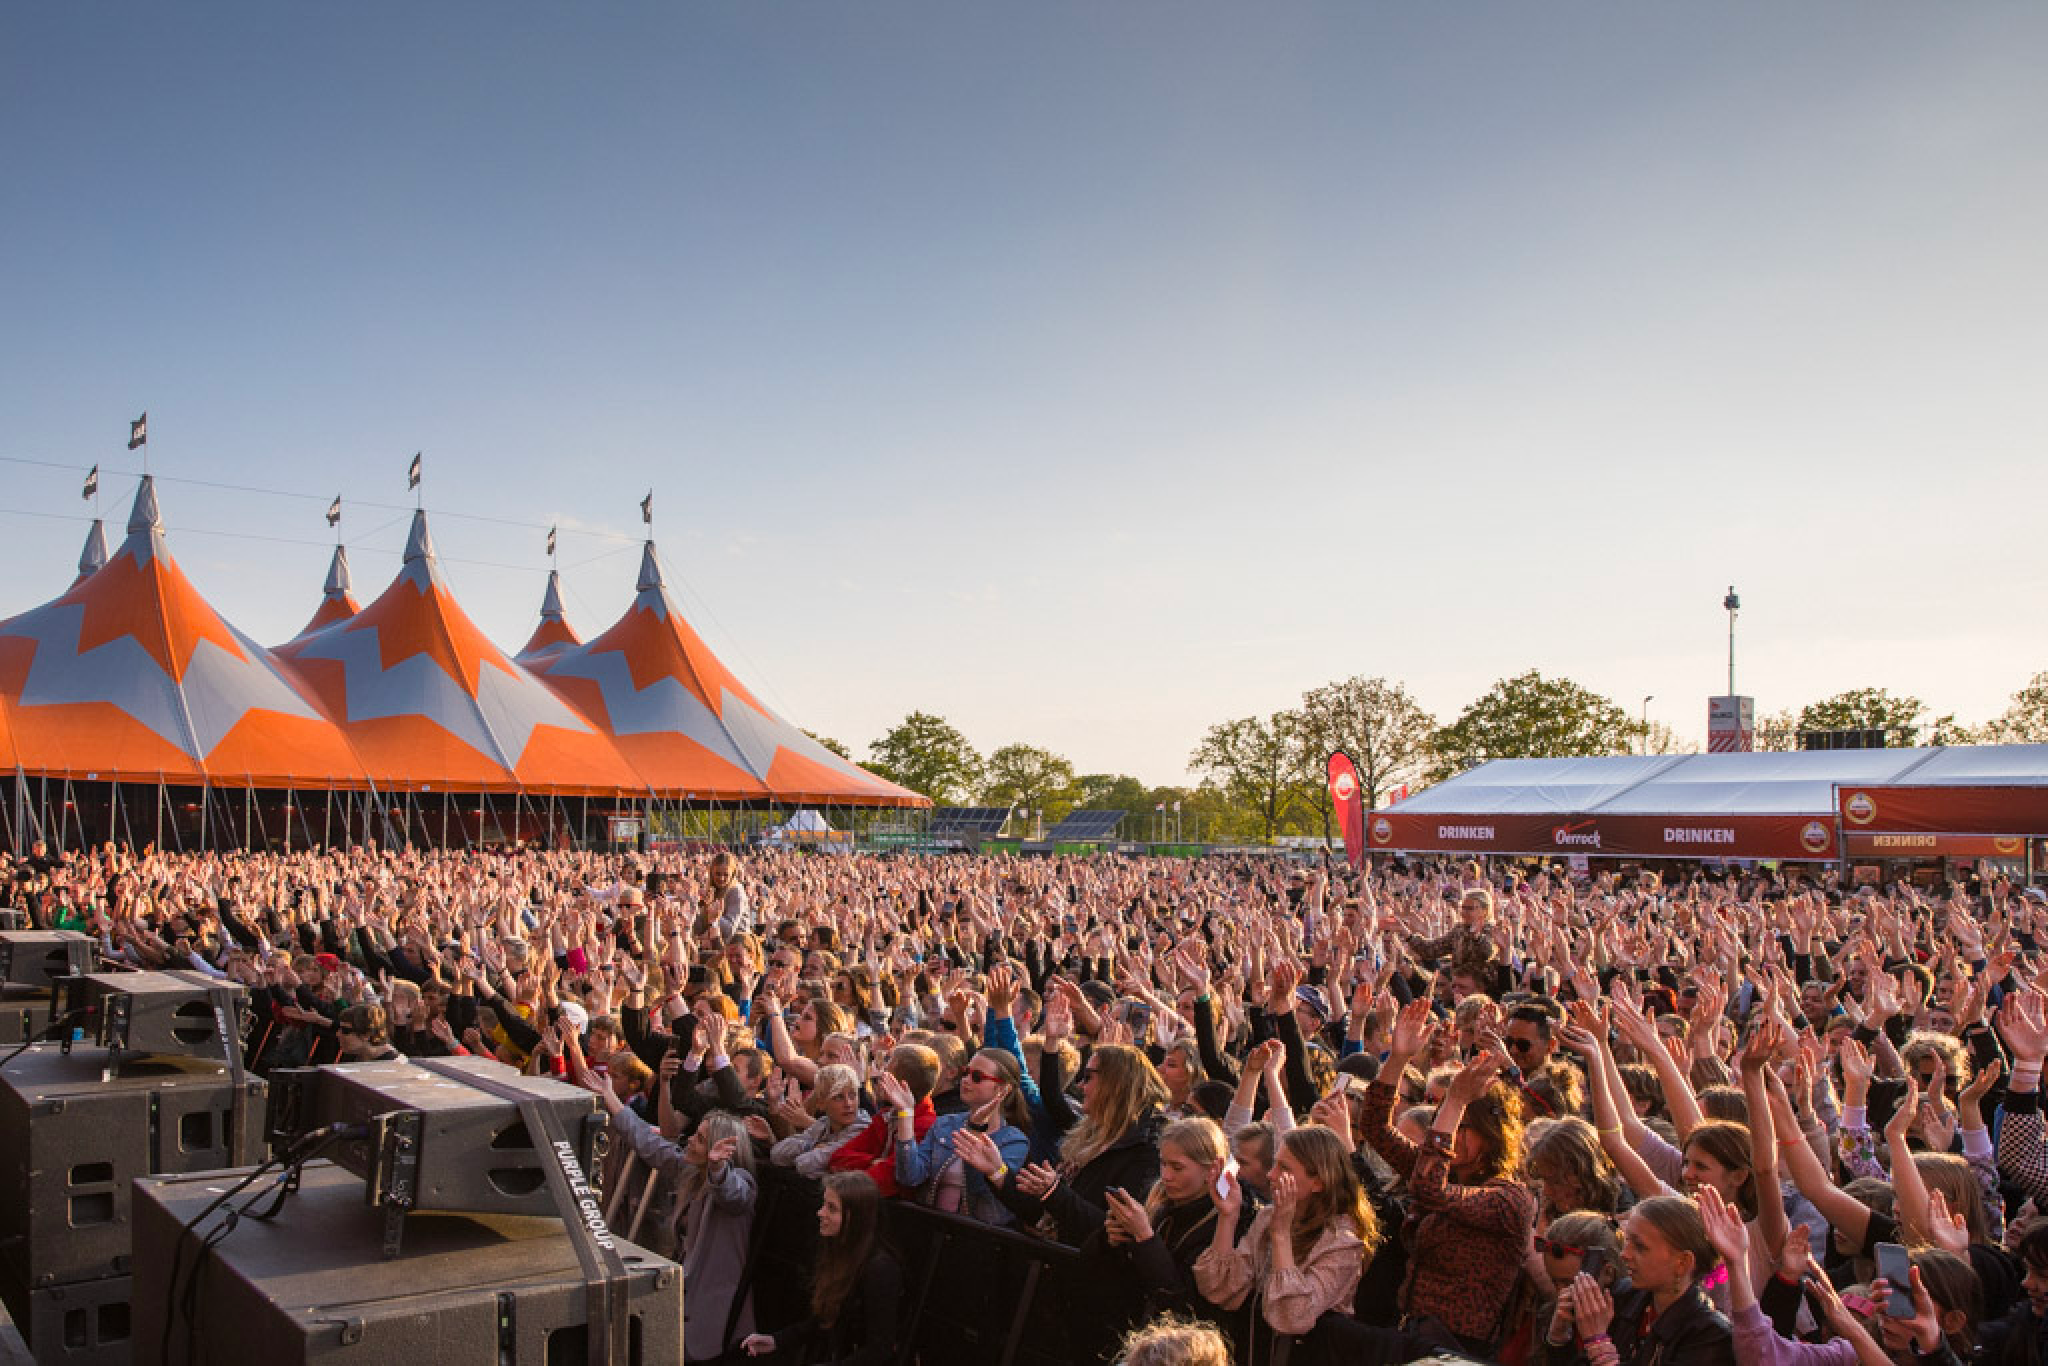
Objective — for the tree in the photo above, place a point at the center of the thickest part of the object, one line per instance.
(1778, 732)
(1533, 717)
(1025, 775)
(926, 754)
(1386, 733)
(1256, 761)
(829, 743)
(2025, 722)
(1903, 719)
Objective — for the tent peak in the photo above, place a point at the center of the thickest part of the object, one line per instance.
(145, 516)
(420, 544)
(650, 569)
(551, 601)
(337, 585)
(94, 554)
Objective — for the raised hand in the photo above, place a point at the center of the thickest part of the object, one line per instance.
(1127, 1213)
(1725, 1228)
(978, 1151)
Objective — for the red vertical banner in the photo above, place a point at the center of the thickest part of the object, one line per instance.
(1350, 807)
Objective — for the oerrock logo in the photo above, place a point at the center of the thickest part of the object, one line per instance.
(1382, 830)
(2011, 848)
(1580, 836)
(1814, 838)
(1860, 808)
(1344, 786)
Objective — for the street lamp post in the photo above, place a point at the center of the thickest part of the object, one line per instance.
(1648, 698)
(1733, 604)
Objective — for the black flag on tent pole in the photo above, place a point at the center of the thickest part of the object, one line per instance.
(334, 511)
(412, 476)
(551, 542)
(647, 508)
(138, 432)
(92, 483)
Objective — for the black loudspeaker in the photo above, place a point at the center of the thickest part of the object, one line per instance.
(80, 1323)
(182, 1014)
(24, 1014)
(313, 1285)
(71, 1144)
(466, 1148)
(36, 958)
(12, 919)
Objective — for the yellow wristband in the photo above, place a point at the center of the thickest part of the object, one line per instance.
(1001, 1171)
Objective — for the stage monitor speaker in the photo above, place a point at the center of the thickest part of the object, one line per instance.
(79, 1323)
(181, 1014)
(72, 1142)
(36, 958)
(13, 919)
(312, 1284)
(436, 1141)
(24, 1014)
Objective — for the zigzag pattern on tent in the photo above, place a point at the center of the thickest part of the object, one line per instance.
(131, 675)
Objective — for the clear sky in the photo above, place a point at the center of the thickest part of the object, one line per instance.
(1085, 373)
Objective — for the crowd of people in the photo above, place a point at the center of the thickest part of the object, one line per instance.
(1280, 1112)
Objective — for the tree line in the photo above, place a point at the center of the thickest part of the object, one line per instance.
(1262, 776)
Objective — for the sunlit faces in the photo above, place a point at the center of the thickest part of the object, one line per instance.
(1292, 1165)
(1652, 1260)
(2034, 1285)
(1173, 1070)
(1700, 1168)
(842, 1108)
(1180, 1176)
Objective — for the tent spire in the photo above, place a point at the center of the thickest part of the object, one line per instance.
(650, 569)
(420, 544)
(94, 555)
(144, 516)
(551, 601)
(338, 585)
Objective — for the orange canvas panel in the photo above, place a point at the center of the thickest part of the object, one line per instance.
(551, 631)
(410, 752)
(558, 760)
(793, 777)
(17, 654)
(409, 622)
(330, 611)
(674, 765)
(582, 694)
(271, 749)
(156, 605)
(655, 649)
(321, 681)
(95, 737)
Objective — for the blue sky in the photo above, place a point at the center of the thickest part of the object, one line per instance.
(1086, 374)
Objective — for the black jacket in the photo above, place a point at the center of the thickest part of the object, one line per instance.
(1690, 1333)
(868, 1324)
(1079, 1204)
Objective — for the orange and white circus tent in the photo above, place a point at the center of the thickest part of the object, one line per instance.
(131, 676)
(688, 726)
(430, 704)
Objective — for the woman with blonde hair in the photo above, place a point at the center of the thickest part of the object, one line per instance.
(1304, 1253)
(1664, 1317)
(1171, 1342)
(1166, 1233)
(1113, 1141)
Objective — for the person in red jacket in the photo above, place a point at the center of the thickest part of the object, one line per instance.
(873, 1149)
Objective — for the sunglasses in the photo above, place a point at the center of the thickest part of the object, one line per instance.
(344, 1029)
(1551, 1249)
(1520, 1045)
(993, 1078)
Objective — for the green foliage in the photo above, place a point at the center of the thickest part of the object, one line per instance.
(1386, 732)
(1257, 762)
(1533, 717)
(1027, 776)
(2025, 722)
(927, 754)
(1904, 719)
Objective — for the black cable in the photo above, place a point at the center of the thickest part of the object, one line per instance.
(57, 1022)
(303, 1150)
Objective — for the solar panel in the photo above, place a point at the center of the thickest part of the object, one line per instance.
(1086, 825)
(969, 820)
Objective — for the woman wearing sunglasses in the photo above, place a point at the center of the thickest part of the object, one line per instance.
(955, 1166)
